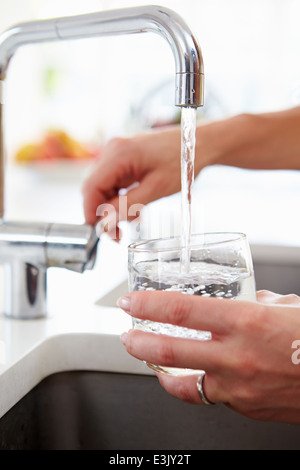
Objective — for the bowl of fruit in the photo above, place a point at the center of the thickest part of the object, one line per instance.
(57, 155)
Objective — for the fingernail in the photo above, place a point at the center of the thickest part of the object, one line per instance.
(124, 303)
(123, 338)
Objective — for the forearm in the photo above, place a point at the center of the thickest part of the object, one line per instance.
(255, 141)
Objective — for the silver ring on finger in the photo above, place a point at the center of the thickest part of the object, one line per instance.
(201, 391)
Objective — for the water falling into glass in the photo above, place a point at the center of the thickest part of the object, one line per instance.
(188, 141)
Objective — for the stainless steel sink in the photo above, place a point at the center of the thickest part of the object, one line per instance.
(277, 268)
(93, 410)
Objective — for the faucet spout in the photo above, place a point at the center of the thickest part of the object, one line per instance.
(160, 20)
(156, 19)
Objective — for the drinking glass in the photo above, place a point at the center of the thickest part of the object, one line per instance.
(219, 265)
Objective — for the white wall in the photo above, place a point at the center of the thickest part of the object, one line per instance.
(251, 56)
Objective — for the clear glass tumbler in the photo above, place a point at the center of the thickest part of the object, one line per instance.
(219, 265)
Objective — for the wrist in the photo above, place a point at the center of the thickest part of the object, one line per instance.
(211, 144)
(227, 142)
(255, 141)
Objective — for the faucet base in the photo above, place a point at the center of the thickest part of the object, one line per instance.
(29, 249)
(26, 291)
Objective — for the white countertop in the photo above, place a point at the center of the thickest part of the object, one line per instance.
(78, 334)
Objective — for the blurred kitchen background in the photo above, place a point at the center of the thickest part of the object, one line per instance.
(63, 101)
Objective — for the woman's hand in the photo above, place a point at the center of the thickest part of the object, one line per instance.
(248, 361)
(147, 165)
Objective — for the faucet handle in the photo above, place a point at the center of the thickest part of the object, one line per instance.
(71, 246)
(28, 249)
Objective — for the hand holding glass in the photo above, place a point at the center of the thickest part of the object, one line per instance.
(219, 265)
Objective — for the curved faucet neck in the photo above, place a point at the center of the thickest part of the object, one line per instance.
(160, 20)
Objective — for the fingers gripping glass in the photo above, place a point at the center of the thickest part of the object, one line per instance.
(220, 265)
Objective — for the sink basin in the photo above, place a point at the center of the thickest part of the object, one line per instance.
(277, 268)
(80, 410)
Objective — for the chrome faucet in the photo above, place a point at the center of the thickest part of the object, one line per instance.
(27, 250)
